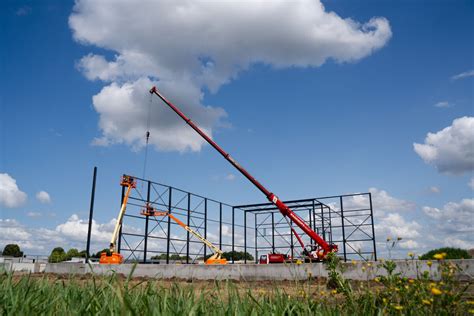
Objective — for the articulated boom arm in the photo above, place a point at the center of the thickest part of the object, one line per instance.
(285, 210)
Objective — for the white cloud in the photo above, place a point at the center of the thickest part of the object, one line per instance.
(458, 243)
(125, 112)
(450, 150)
(443, 104)
(10, 195)
(186, 47)
(70, 234)
(394, 225)
(463, 75)
(454, 217)
(382, 202)
(43, 197)
(435, 190)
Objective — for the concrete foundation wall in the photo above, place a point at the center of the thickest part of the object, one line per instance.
(256, 272)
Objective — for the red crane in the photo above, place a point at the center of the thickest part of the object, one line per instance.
(324, 247)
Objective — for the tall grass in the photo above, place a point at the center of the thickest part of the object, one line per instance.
(113, 295)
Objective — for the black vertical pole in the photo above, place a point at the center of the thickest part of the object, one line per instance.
(119, 243)
(330, 225)
(373, 230)
(343, 230)
(311, 222)
(245, 236)
(220, 226)
(256, 236)
(188, 223)
(205, 226)
(233, 230)
(168, 237)
(145, 245)
(91, 214)
(322, 222)
(273, 232)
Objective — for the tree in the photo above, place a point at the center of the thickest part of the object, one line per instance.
(12, 250)
(57, 255)
(238, 255)
(73, 252)
(451, 253)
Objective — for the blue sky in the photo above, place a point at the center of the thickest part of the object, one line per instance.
(338, 123)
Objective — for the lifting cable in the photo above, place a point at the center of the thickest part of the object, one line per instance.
(147, 137)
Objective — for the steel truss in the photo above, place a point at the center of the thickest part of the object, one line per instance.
(346, 220)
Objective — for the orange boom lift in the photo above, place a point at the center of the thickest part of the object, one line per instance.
(216, 258)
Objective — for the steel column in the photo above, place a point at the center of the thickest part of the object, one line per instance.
(273, 233)
(119, 243)
(145, 246)
(169, 227)
(373, 229)
(220, 226)
(233, 234)
(343, 230)
(256, 236)
(205, 226)
(188, 223)
(245, 237)
(91, 214)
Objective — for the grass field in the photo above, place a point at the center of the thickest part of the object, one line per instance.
(82, 295)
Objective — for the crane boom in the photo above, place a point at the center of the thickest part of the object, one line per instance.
(284, 209)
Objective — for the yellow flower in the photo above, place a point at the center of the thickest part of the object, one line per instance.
(363, 269)
(411, 255)
(334, 291)
(429, 263)
(369, 265)
(299, 261)
(436, 291)
(322, 293)
(471, 311)
(389, 238)
(384, 300)
(411, 281)
(407, 287)
(470, 302)
(426, 302)
(377, 279)
(440, 256)
(398, 307)
(354, 262)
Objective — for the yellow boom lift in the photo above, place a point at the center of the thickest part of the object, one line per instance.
(216, 258)
(112, 256)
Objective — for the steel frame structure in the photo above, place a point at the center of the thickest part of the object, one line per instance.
(346, 220)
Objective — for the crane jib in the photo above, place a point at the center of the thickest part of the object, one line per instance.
(282, 207)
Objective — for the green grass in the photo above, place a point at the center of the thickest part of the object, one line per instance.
(113, 295)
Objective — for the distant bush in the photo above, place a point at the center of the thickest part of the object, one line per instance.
(12, 250)
(58, 254)
(451, 253)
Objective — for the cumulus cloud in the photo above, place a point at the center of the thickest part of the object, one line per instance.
(463, 75)
(450, 150)
(394, 225)
(70, 234)
(454, 217)
(10, 195)
(187, 47)
(43, 197)
(382, 202)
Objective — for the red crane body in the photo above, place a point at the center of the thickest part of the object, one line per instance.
(284, 209)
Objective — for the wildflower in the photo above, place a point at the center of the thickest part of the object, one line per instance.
(334, 291)
(353, 262)
(470, 302)
(411, 281)
(406, 287)
(440, 256)
(429, 263)
(298, 262)
(384, 300)
(322, 293)
(471, 311)
(436, 291)
(426, 302)
(411, 255)
(389, 238)
(398, 307)
(363, 269)
(377, 279)
(432, 285)
(369, 265)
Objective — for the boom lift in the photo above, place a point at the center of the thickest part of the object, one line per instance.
(216, 258)
(315, 252)
(112, 256)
